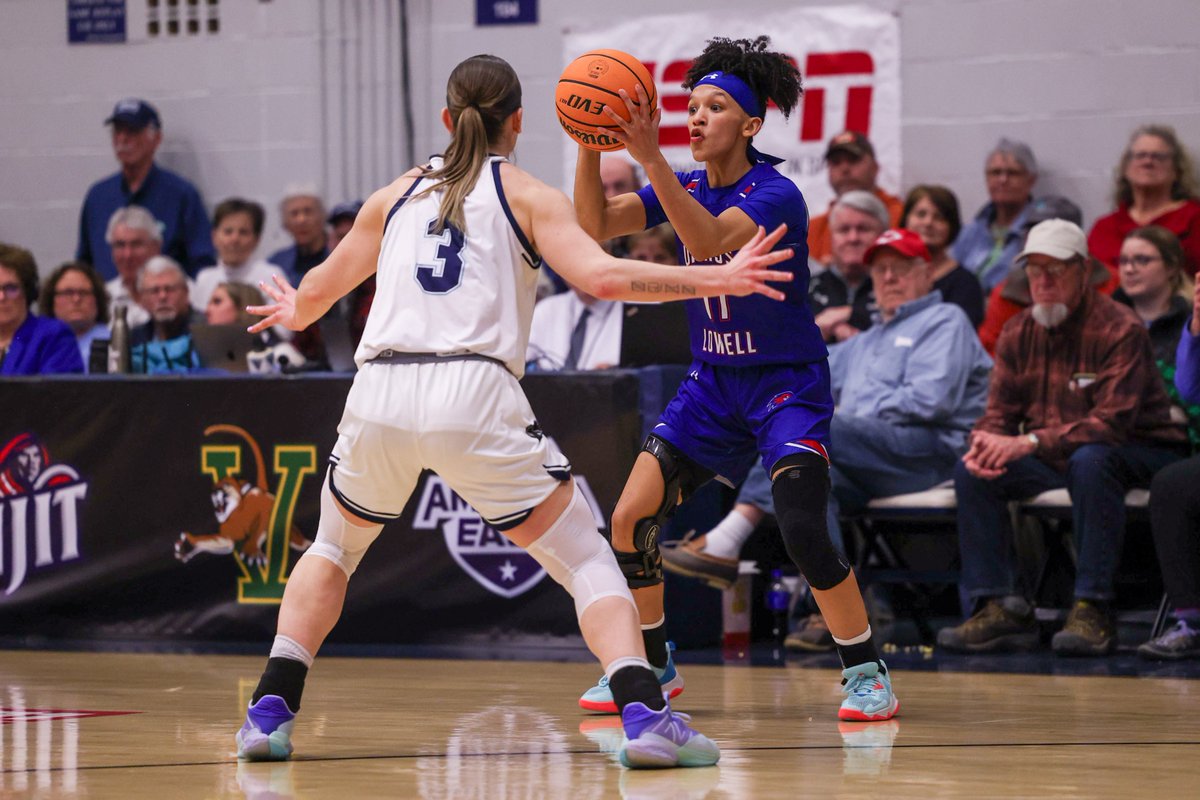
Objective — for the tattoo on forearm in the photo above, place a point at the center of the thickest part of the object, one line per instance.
(663, 288)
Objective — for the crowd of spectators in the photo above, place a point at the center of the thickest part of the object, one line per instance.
(1094, 386)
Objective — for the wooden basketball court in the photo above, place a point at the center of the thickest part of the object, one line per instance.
(504, 729)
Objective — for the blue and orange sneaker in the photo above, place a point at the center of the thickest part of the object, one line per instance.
(266, 735)
(600, 697)
(660, 739)
(868, 690)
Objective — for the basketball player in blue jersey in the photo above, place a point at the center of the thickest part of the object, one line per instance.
(759, 383)
(456, 246)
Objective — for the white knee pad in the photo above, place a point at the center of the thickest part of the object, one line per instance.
(578, 557)
(337, 540)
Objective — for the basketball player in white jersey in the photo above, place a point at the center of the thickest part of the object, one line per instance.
(456, 246)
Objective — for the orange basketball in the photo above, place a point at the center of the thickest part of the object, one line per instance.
(591, 82)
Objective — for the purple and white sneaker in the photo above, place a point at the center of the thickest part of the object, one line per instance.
(659, 739)
(266, 735)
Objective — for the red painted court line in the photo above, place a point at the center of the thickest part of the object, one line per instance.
(10, 715)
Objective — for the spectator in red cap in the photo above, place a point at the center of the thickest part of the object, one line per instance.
(850, 159)
(907, 389)
(172, 199)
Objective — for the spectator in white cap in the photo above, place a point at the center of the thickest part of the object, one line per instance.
(1076, 402)
(173, 201)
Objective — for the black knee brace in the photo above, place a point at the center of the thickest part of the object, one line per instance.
(681, 477)
(801, 493)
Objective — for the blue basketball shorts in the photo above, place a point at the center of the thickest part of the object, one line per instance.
(722, 416)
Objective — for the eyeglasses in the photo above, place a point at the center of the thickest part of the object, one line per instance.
(10, 290)
(1003, 172)
(1053, 271)
(1157, 158)
(1140, 260)
(899, 269)
(74, 294)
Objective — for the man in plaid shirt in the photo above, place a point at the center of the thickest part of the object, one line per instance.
(1075, 401)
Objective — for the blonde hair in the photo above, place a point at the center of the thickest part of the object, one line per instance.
(481, 94)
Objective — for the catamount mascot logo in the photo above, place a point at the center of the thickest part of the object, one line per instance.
(253, 525)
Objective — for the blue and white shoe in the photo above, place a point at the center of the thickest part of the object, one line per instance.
(600, 697)
(266, 735)
(868, 690)
(660, 739)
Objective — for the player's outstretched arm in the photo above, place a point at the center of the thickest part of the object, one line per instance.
(582, 262)
(352, 262)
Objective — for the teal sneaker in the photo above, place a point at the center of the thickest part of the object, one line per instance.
(868, 690)
(600, 697)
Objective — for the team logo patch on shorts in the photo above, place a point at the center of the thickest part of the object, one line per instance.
(778, 400)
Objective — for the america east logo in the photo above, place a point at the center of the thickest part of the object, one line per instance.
(483, 552)
(39, 510)
(253, 525)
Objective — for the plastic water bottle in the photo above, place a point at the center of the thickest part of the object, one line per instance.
(776, 598)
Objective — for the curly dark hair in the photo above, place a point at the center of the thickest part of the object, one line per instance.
(770, 75)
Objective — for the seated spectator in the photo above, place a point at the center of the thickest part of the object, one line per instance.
(1075, 402)
(341, 220)
(29, 344)
(574, 331)
(841, 297)
(656, 245)
(932, 213)
(171, 199)
(303, 217)
(134, 238)
(619, 175)
(1155, 185)
(851, 166)
(164, 345)
(74, 293)
(907, 391)
(271, 353)
(1011, 295)
(1175, 517)
(988, 243)
(237, 229)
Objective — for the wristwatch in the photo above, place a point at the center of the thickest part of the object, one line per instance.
(1032, 437)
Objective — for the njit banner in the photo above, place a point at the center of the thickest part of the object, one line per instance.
(849, 59)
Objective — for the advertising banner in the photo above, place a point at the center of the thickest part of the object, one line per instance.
(147, 508)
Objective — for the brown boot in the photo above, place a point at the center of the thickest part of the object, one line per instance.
(1090, 631)
(1002, 625)
(687, 557)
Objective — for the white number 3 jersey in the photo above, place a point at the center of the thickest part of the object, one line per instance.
(456, 291)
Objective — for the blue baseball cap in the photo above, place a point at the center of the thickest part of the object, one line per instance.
(346, 210)
(134, 113)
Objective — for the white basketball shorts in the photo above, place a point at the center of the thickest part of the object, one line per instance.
(467, 420)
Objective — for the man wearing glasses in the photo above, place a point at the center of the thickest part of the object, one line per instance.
(164, 344)
(1075, 401)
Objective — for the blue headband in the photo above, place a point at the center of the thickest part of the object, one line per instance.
(744, 96)
(736, 88)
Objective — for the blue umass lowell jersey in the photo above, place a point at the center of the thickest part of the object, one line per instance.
(753, 330)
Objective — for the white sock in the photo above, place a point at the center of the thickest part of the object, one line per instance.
(862, 637)
(621, 663)
(727, 538)
(286, 647)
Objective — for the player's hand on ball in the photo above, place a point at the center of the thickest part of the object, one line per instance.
(281, 312)
(748, 273)
(640, 133)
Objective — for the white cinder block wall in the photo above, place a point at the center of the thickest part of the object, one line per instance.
(310, 90)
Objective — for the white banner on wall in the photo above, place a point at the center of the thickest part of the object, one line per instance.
(849, 59)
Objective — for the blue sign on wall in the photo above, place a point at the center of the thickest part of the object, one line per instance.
(95, 21)
(506, 12)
